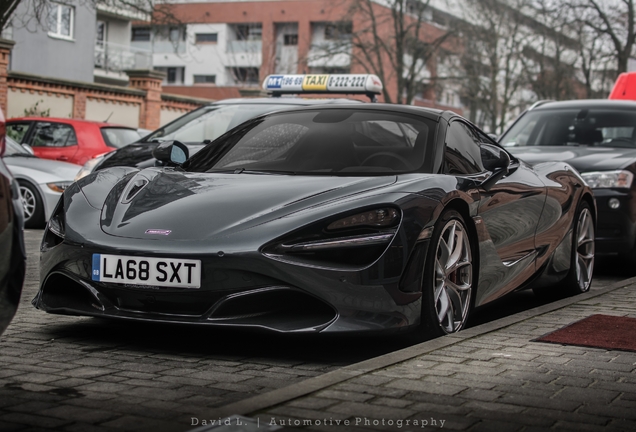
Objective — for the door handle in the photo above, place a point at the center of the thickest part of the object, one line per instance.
(62, 158)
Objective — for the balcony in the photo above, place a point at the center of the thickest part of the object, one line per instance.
(112, 57)
(244, 46)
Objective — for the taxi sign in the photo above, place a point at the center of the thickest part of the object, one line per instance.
(366, 84)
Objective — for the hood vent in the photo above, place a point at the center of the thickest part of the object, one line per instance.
(133, 189)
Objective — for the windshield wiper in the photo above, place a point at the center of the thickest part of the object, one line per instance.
(267, 172)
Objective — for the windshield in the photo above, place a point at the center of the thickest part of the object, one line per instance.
(562, 127)
(344, 141)
(119, 137)
(210, 122)
(13, 148)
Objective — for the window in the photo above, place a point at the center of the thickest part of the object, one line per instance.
(60, 20)
(18, 131)
(176, 33)
(290, 39)
(205, 79)
(251, 32)
(338, 31)
(141, 34)
(53, 135)
(324, 142)
(119, 137)
(209, 38)
(174, 75)
(245, 75)
(463, 155)
(101, 33)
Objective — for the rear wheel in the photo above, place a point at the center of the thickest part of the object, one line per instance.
(579, 279)
(32, 205)
(447, 290)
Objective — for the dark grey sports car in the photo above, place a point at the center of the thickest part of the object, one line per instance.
(321, 219)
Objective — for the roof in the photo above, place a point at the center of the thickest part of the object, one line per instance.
(68, 121)
(286, 101)
(588, 103)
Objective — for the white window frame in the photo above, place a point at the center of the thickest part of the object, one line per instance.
(58, 31)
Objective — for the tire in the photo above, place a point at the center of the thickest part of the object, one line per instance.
(32, 205)
(579, 278)
(447, 288)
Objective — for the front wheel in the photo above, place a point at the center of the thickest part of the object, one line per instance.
(447, 289)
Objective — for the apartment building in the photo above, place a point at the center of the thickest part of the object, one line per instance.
(81, 41)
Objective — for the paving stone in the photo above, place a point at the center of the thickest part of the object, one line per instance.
(315, 403)
(426, 387)
(76, 413)
(371, 411)
(344, 395)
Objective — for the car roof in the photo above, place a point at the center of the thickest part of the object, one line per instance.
(431, 113)
(68, 121)
(587, 103)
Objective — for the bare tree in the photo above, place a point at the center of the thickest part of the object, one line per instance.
(392, 40)
(613, 20)
(550, 58)
(494, 35)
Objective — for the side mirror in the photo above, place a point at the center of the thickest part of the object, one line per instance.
(28, 148)
(171, 153)
(495, 160)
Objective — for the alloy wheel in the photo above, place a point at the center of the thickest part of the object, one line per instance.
(28, 202)
(453, 277)
(585, 250)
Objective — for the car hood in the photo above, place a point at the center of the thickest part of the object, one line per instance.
(583, 158)
(62, 171)
(189, 206)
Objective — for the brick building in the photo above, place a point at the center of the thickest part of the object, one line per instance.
(238, 43)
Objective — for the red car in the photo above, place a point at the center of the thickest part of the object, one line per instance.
(69, 140)
(624, 87)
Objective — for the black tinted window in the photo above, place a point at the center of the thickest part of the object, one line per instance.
(322, 141)
(463, 155)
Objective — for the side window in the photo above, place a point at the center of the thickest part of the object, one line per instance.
(53, 135)
(463, 155)
(17, 131)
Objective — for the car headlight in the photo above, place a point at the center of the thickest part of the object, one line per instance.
(55, 230)
(609, 179)
(59, 186)
(88, 167)
(352, 240)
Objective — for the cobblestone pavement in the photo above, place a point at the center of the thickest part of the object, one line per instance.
(87, 374)
(497, 381)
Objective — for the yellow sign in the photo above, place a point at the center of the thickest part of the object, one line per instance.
(315, 82)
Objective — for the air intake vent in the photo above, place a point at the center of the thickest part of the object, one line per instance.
(133, 189)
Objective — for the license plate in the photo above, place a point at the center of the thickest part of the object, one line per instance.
(166, 272)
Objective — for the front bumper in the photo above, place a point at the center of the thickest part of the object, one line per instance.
(240, 288)
(616, 228)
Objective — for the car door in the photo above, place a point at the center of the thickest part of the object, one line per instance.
(53, 140)
(508, 213)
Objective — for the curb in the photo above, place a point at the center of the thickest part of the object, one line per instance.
(279, 396)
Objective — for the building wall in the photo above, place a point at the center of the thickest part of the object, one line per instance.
(38, 53)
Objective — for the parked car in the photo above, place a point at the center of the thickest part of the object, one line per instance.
(41, 181)
(12, 251)
(209, 122)
(598, 138)
(69, 140)
(330, 218)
